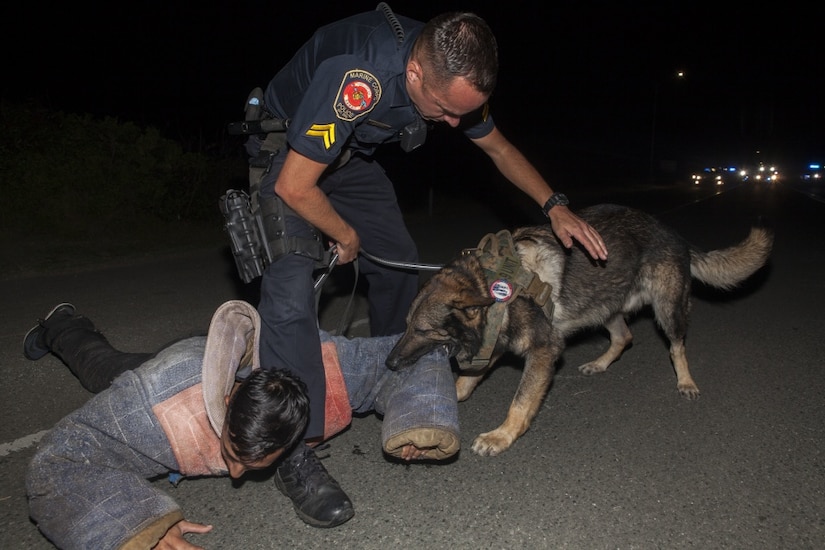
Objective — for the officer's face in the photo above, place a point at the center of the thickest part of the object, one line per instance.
(442, 104)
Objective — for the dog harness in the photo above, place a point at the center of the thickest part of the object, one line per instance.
(506, 280)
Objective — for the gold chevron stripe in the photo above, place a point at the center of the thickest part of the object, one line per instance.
(326, 131)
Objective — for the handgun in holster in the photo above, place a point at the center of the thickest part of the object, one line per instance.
(256, 224)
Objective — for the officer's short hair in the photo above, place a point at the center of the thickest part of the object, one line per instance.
(459, 44)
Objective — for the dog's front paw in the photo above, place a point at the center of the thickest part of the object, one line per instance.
(690, 391)
(593, 367)
(464, 386)
(492, 443)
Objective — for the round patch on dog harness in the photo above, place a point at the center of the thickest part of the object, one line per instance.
(501, 290)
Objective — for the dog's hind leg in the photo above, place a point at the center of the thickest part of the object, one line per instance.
(672, 316)
(684, 381)
(620, 338)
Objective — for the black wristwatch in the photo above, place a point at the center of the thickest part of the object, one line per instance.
(554, 200)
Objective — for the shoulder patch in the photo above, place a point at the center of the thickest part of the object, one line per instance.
(358, 94)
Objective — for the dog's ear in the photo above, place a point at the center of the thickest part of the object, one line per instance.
(468, 298)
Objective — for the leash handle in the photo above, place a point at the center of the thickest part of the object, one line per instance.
(333, 259)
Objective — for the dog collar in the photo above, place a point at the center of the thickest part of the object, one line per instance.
(506, 280)
(505, 275)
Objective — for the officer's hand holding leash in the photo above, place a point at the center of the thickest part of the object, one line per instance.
(347, 250)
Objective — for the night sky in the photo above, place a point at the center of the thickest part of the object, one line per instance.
(577, 80)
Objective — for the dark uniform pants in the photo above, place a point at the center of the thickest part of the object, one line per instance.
(362, 194)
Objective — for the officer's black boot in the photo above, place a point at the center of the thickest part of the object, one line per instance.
(316, 496)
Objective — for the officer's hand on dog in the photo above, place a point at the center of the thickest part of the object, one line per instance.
(568, 226)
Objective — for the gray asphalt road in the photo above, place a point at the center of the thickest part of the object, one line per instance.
(616, 460)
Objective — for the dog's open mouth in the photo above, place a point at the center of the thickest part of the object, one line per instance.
(450, 348)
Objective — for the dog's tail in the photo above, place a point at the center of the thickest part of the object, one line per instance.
(727, 267)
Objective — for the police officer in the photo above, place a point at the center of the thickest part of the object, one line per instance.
(358, 83)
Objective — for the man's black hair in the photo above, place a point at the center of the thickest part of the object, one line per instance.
(268, 411)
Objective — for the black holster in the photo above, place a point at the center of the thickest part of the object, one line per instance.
(257, 231)
(256, 224)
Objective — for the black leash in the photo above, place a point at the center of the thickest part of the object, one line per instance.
(333, 260)
(401, 265)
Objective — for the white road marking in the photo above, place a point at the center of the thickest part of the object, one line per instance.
(22, 443)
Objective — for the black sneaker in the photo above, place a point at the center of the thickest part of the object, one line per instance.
(33, 345)
(316, 496)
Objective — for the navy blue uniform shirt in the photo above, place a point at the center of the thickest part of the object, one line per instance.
(346, 88)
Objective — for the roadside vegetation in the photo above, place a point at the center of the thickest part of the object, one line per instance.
(75, 185)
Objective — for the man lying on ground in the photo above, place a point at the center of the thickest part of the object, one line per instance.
(203, 407)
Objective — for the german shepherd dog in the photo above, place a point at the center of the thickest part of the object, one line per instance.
(649, 265)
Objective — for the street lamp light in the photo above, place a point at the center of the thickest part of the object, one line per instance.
(678, 75)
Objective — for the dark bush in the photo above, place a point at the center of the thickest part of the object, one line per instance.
(78, 175)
